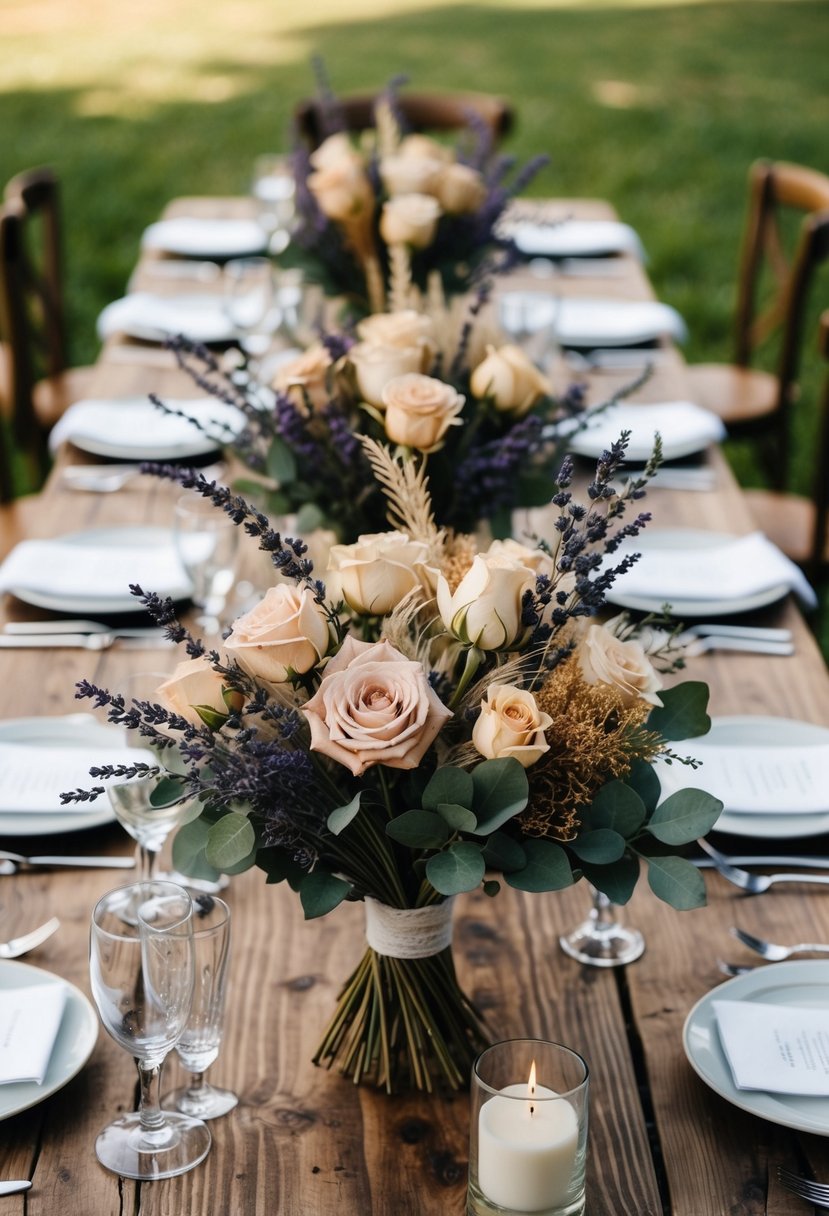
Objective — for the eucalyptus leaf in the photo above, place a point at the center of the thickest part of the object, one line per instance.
(616, 881)
(230, 840)
(458, 817)
(189, 844)
(448, 785)
(676, 881)
(309, 518)
(618, 808)
(321, 892)
(280, 461)
(279, 866)
(167, 792)
(503, 853)
(419, 829)
(547, 868)
(685, 816)
(341, 817)
(501, 791)
(643, 779)
(601, 846)
(683, 713)
(458, 868)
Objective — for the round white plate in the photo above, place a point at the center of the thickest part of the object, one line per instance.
(76, 1038)
(760, 731)
(196, 237)
(581, 321)
(147, 540)
(685, 429)
(134, 429)
(801, 983)
(691, 538)
(81, 730)
(156, 318)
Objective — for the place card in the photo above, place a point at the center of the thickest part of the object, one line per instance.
(33, 778)
(780, 1049)
(756, 780)
(29, 1023)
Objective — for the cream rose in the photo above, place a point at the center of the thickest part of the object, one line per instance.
(306, 376)
(460, 189)
(420, 410)
(485, 610)
(402, 329)
(195, 685)
(374, 366)
(410, 219)
(378, 570)
(374, 706)
(286, 632)
(536, 559)
(410, 174)
(418, 145)
(511, 724)
(605, 659)
(512, 381)
(342, 190)
(333, 151)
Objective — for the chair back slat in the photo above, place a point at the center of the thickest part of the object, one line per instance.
(820, 493)
(421, 112)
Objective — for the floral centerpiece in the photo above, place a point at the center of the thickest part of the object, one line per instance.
(402, 206)
(436, 716)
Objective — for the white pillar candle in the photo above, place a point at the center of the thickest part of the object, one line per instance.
(526, 1149)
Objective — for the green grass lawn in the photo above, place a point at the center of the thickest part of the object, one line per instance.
(659, 107)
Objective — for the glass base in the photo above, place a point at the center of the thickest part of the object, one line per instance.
(207, 1103)
(126, 1149)
(477, 1204)
(608, 945)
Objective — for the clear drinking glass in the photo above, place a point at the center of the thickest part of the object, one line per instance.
(603, 940)
(274, 187)
(201, 1038)
(207, 541)
(528, 1130)
(249, 302)
(142, 981)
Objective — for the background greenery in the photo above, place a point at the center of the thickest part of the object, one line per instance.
(656, 105)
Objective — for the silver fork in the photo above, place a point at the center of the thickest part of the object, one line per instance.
(755, 884)
(702, 645)
(28, 941)
(813, 1192)
(774, 952)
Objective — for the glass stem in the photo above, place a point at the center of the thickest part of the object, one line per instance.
(197, 1086)
(146, 859)
(604, 912)
(153, 1124)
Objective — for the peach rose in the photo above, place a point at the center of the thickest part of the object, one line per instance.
(485, 610)
(536, 559)
(460, 189)
(512, 381)
(420, 410)
(378, 570)
(605, 659)
(410, 174)
(410, 219)
(511, 724)
(401, 329)
(342, 190)
(375, 365)
(286, 632)
(334, 150)
(305, 376)
(374, 706)
(418, 145)
(194, 686)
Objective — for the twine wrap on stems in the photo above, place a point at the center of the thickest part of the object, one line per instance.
(409, 932)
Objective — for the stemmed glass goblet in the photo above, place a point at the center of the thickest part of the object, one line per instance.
(142, 975)
(199, 1044)
(207, 541)
(249, 302)
(603, 940)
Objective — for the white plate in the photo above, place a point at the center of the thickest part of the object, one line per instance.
(193, 237)
(155, 318)
(134, 429)
(761, 731)
(800, 983)
(685, 428)
(691, 538)
(581, 321)
(144, 541)
(81, 730)
(76, 1038)
(575, 238)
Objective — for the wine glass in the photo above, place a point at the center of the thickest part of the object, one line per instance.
(603, 940)
(142, 981)
(274, 188)
(199, 1044)
(249, 303)
(207, 541)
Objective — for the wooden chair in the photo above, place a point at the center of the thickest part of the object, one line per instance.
(422, 112)
(753, 402)
(37, 385)
(800, 526)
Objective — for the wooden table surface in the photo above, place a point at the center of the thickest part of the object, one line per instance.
(303, 1141)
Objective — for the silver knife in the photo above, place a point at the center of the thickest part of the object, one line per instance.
(24, 628)
(11, 1188)
(808, 863)
(83, 863)
(80, 641)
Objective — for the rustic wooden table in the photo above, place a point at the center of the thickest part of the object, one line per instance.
(304, 1141)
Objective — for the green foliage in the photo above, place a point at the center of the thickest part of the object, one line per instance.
(500, 792)
(685, 816)
(231, 842)
(547, 868)
(189, 846)
(419, 829)
(683, 713)
(341, 817)
(167, 792)
(321, 892)
(676, 881)
(458, 868)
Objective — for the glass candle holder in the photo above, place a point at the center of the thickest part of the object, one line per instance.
(528, 1130)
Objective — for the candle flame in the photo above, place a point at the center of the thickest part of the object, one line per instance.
(531, 1086)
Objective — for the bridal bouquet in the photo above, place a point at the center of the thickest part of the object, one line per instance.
(436, 719)
(406, 207)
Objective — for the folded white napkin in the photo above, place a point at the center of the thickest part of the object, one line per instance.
(575, 238)
(195, 237)
(755, 780)
(34, 775)
(137, 428)
(781, 1049)
(29, 1023)
(142, 314)
(684, 427)
(730, 568)
(89, 571)
(588, 322)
